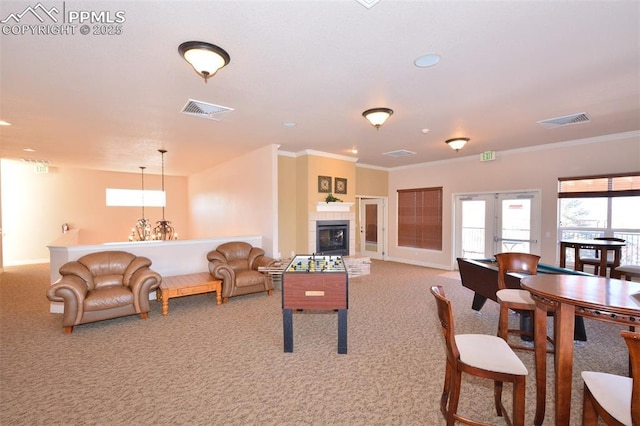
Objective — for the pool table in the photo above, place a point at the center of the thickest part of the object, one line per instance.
(481, 276)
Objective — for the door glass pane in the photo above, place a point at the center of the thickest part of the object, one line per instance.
(371, 227)
(516, 225)
(473, 229)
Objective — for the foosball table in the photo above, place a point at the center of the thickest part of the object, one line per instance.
(315, 282)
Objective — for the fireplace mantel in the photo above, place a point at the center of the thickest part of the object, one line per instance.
(333, 207)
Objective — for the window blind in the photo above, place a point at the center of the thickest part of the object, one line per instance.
(420, 218)
(616, 185)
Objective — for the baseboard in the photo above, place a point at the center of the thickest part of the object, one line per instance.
(419, 263)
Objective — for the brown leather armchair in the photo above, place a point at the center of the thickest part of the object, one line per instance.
(236, 264)
(104, 285)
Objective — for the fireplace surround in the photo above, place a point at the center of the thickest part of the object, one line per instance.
(328, 212)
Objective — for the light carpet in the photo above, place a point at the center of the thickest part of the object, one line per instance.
(205, 364)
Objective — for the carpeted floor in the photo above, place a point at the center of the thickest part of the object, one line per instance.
(205, 364)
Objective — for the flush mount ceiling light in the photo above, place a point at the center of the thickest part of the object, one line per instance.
(377, 116)
(426, 61)
(457, 143)
(205, 58)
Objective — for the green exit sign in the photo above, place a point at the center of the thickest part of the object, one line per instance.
(42, 169)
(488, 156)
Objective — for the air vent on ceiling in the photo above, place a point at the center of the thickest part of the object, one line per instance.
(399, 153)
(35, 161)
(204, 110)
(567, 120)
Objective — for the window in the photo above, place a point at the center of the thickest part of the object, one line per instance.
(134, 198)
(420, 218)
(602, 206)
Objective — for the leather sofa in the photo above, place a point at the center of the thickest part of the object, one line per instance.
(104, 285)
(236, 264)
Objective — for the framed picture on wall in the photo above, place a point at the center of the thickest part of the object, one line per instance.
(341, 186)
(324, 184)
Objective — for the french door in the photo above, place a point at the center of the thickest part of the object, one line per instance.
(492, 223)
(372, 228)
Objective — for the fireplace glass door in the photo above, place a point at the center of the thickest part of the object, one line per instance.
(333, 237)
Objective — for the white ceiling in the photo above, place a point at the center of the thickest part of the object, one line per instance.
(111, 101)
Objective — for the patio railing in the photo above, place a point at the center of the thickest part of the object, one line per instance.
(474, 243)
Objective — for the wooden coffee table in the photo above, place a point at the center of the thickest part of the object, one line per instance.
(186, 285)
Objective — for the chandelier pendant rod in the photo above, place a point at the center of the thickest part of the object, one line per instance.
(162, 152)
(142, 192)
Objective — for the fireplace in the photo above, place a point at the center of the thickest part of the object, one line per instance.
(332, 237)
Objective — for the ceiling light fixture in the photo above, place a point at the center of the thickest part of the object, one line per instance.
(205, 58)
(142, 230)
(457, 143)
(426, 61)
(377, 116)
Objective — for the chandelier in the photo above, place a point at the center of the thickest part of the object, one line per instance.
(163, 229)
(142, 230)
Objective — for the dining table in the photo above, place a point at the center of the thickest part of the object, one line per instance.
(601, 246)
(595, 297)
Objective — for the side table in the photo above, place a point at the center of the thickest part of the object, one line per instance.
(275, 271)
(186, 285)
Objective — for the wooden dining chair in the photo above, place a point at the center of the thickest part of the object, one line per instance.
(615, 399)
(595, 260)
(518, 300)
(479, 355)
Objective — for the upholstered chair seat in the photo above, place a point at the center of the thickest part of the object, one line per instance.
(612, 392)
(628, 271)
(614, 399)
(490, 353)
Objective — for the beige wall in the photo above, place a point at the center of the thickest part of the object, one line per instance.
(306, 168)
(238, 197)
(287, 201)
(1, 256)
(333, 167)
(537, 168)
(36, 205)
(371, 182)
(261, 192)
